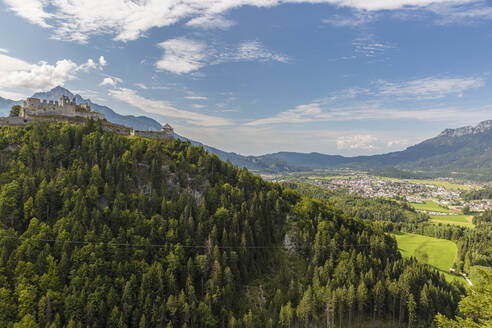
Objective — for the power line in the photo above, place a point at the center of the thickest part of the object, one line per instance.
(102, 243)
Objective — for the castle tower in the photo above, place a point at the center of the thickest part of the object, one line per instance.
(167, 127)
(64, 100)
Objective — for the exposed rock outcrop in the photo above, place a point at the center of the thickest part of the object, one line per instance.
(467, 130)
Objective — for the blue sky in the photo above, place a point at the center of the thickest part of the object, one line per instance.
(257, 76)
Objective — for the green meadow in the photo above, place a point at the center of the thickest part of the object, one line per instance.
(462, 220)
(431, 206)
(439, 253)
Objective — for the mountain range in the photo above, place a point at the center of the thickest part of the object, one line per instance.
(6, 104)
(465, 149)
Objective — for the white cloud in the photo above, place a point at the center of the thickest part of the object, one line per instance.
(356, 19)
(130, 20)
(9, 64)
(196, 98)
(183, 55)
(198, 106)
(16, 73)
(314, 113)
(12, 95)
(367, 45)
(374, 5)
(90, 64)
(456, 13)
(164, 108)
(251, 51)
(4, 50)
(210, 22)
(42, 75)
(102, 61)
(141, 86)
(32, 10)
(369, 142)
(301, 114)
(359, 141)
(110, 81)
(431, 87)
(126, 19)
(378, 103)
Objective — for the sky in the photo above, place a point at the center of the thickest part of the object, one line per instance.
(345, 77)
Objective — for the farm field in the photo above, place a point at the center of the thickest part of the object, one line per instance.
(438, 183)
(439, 253)
(331, 177)
(462, 220)
(431, 206)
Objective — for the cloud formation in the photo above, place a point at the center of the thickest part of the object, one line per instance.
(356, 19)
(369, 142)
(164, 108)
(182, 55)
(373, 103)
(110, 81)
(18, 74)
(431, 87)
(210, 22)
(314, 113)
(130, 20)
(196, 97)
(358, 141)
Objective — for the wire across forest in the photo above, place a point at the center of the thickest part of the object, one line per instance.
(102, 243)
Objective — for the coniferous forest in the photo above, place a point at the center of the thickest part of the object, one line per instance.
(102, 230)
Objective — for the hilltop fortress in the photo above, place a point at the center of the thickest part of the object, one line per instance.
(34, 107)
(67, 110)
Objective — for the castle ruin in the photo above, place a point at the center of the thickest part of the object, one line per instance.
(67, 110)
(166, 132)
(34, 107)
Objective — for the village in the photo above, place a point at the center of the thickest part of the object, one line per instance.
(442, 192)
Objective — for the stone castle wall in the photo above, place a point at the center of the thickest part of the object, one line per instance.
(14, 121)
(35, 107)
(162, 134)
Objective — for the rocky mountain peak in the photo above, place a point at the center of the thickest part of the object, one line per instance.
(467, 130)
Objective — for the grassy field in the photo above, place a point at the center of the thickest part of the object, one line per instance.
(431, 206)
(462, 220)
(331, 177)
(438, 183)
(439, 253)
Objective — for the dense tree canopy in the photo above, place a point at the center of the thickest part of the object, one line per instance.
(101, 230)
(15, 111)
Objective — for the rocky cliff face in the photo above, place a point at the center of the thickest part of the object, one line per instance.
(467, 130)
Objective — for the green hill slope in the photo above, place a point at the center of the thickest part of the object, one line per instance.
(101, 230)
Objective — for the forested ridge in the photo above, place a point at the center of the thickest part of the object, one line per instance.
(101, 230)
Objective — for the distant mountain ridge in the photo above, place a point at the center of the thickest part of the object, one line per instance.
(466, 148)
(6, 105)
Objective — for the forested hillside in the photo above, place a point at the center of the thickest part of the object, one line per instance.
(101, 230)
